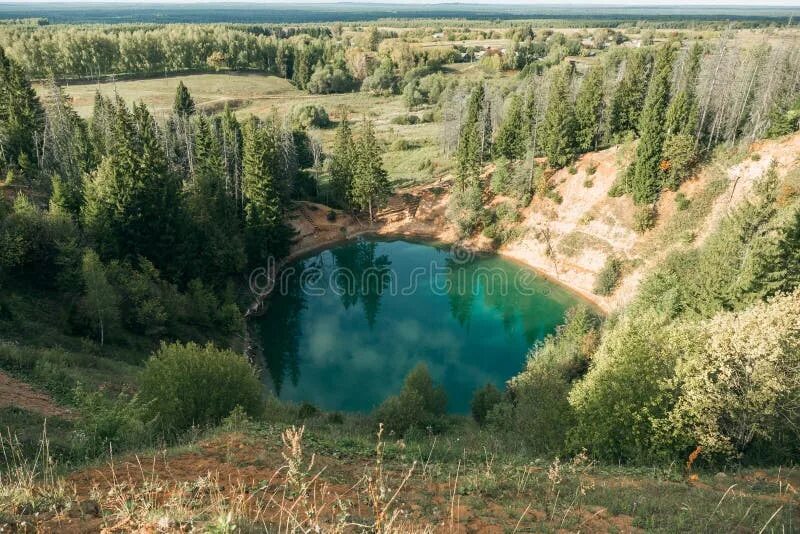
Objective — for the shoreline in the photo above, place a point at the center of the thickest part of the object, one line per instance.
(380, 230)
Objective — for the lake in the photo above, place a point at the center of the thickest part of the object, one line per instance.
(345, 325)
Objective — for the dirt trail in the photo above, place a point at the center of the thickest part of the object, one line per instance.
(14, 393)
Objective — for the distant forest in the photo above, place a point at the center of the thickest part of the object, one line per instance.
(107, 13)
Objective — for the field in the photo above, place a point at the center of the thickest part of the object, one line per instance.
(262, 95)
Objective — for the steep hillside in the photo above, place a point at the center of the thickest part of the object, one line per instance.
(570, 241)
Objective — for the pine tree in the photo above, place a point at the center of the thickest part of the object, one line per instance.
(558, 129)
(645, 180)
(683, 112)
(371, 188)
(468, 153)
(628, 99)
(230, 141)
(21, 118)
(266, 236)
(217, 248)
(133, 204)
(342, 163)
(184, 104)
(589, 109)
(789, 253)
(512, 137)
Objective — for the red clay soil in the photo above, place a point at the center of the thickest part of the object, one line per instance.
(17, 394)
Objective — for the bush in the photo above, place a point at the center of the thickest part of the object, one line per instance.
(743, 383)
(608, 277)
(645, 218)
(682, 202)
(108, 425)
(402, 145)
(186, 385)
(542, 414)
(591, 169)
(465, 210)
(483, 401)
(620, 402)
(405, 119)
(420, 404)
(572, 169)
(311, 115)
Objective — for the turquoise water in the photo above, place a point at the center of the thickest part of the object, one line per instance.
(346, 324)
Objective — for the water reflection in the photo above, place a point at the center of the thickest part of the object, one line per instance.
(346, 338)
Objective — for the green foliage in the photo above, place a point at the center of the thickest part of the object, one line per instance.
(421, 404)
(623, 396)
(558, 130)
(371, 188)
(405, 119)
(311, 115)
(342, 163)
(331, 78)
(645, 184)
(266, 234)
(589, 109)
(608, 277)
(645, 218)
(679, 158)
(21, 118)
(512, 139)
(108, 425)
(627, 101)
(184, 103)
(483, 401)
(465, 210)
(101, 299)
(383, 80)
(542, 414)
(742, 384)
(470, 151)
(185, 385)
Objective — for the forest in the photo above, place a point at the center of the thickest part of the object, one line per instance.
(129, 228)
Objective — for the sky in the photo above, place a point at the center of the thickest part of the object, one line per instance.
(694, 3)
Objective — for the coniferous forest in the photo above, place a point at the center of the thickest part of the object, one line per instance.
(647, 170)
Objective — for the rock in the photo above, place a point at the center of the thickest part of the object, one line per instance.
(90, 508)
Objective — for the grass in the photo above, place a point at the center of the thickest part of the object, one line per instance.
(273, 476)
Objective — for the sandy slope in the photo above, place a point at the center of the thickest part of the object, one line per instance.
(567, 242)
(14, 393)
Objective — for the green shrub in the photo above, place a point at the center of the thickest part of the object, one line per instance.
(542, 414)
(572, 169)
(645, 218)
(421, 404)
(428, 116)
(402, 144)
(186, 385)
(108, 425)
(620, 402)
(588, 183)
(591, 169)
(608, 277)
(311, 115)
(483, 401)
(405, 119)
(682, 202)
(741, 383)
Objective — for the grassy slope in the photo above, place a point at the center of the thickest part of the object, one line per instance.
(464, 481)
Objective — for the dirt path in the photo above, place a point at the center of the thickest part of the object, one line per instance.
(14, 393)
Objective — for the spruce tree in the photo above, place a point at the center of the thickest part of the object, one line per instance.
(21, 118)
(266, 236)
(589, 109)
(133, 204)
(645, 179)
(468, 152)
(217, 248)
(789, 253)
(683, 111)
(342, 163)
(628, 99)
(184, 104)
(230, 142)
(558, 129)
(512, 137)
(371, 188)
